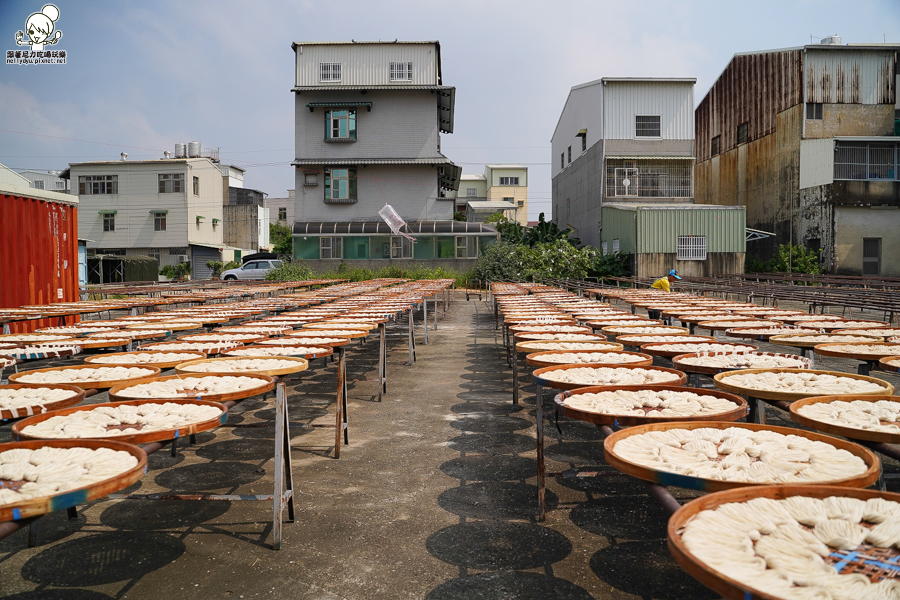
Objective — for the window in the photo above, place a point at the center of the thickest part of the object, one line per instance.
(714, 146)
(178, 250)
(310, 178)
(742, 133)
(871, 262)
(464, 249)
(159, 221)
(471, 192)
(615, 245)
(340, 185)
(603, 248)
(340, 125)
(196, 186)
(38, 184)
(509, 181)
(562, 160)
(60, 185)
(331, 247)
(691, 247)
(814, 111)
(98, 184)
(867, 161)
(282, 213)
(521, 203)
(401, 71)
(329, 71)
(583, 143)
(570, 155)
(649, 178)
(401, 247)
(109, 222)
(171, 182)
(646, 126)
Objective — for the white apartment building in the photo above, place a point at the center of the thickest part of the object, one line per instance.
(501, 188)
(171, 209)
(46, 180)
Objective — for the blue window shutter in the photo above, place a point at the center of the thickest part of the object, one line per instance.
(327, 124)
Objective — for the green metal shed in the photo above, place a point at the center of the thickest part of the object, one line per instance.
(698, 240)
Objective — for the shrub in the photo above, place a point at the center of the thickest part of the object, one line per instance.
(794, 259)
(177, 272)
(550, 260)
(614, 264)
(290, 271)
(218, 267)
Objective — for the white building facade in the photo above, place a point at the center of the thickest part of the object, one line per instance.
(170, 209)
(621, 139)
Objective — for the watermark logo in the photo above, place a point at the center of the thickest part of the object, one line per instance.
(41, 32)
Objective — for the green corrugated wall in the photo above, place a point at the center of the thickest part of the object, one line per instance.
(658, 229)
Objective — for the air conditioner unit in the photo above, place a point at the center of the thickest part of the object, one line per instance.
(183, 258)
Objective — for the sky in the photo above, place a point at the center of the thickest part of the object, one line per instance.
(141, 76)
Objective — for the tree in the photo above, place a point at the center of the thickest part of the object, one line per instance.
(543, 233)
(280, 236)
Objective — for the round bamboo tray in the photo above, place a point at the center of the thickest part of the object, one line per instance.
(266, 384)
(36, 338)
(576, 337)
(825, 350)
(29, 410)
(536, 359)
(89, 385)
(134, 334)
(780, 340)
(339, 326)
(100, 359)
(854, 433)
(640, 339)
(549, 329)
(640, 322)
(161, 347)
(678, 363)
(729, 324)
(720, 582)
(299, 342)
(655, 349)
(212, 338)
(8, 361)
(97, 343)
(168, 325)
(753, 333)
(40, 506)
(739, 411)
(709, 316)
(137, 438)
(890, 364)
(792, 396)
(681, 378)
(328, 333)
(320, 351)
(617, 330)
(597, 346)
(807, 317)
(865, 479)
(300, 364)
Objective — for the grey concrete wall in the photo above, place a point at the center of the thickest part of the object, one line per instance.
(851, 225)
(650, 147)
(817, 223)
(240, 223)
(411, 189)
(401, 124)
(578, 195)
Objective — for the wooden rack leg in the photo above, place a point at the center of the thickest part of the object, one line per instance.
(340, 417)
(757, 411)
(542, 487)
(515, 376)
(284, 479)
(425, 317)
(411, 340)
(382, 361)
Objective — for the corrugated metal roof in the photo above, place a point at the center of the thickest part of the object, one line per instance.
(436, 160)
(334, 88)
(647, 157)
(30, 192)
(669, 206)
(382, 228)
(491, 204)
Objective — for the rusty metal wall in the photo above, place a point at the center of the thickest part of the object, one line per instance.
(39, 246)
(850, 76)
(752, 89)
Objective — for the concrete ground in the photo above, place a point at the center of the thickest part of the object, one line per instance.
(435, 498)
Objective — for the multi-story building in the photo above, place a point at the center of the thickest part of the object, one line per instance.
(368, 121)
(246, 220)
(621, 139)
(170, 209)
(502, 188)
(46, 180)
(805, 138)
(281, 210)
